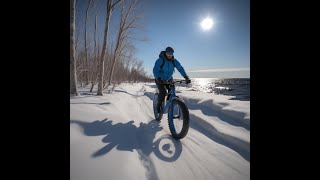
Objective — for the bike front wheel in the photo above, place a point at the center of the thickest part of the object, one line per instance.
(178, 119)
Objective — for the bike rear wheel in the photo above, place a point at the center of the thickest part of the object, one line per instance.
(157, 116)
(178, 119)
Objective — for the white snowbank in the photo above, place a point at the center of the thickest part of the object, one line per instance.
(116, 137)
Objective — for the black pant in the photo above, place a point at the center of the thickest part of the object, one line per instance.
(162, 91)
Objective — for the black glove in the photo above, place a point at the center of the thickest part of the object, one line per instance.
(160, 81)
(187, 79)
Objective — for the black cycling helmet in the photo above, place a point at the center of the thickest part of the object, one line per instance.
(169, 49)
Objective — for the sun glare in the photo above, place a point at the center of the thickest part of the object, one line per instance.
(207, 24)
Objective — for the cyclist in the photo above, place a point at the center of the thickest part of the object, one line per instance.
(163, 71)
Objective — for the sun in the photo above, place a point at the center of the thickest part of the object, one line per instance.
(207, 24)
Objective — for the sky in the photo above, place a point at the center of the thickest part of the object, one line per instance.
(223, 51)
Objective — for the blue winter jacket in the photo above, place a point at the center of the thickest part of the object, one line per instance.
(167, 69)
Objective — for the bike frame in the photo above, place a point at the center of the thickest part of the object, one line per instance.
(169, 103)
(173, 95)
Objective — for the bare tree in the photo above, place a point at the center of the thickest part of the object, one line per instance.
(110, 7)
(86, 41)
(107, 64)
(125, 25)
(95, 63)
(73, 75)
(138, 70)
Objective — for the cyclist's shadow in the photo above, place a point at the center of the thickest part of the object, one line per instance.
(127, 137)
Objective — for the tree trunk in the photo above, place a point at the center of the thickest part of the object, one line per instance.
(73, 74)
(101, 65)
(85, 42)
(110, 7)
(94, 76)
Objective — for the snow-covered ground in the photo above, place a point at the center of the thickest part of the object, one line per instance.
(116, 137)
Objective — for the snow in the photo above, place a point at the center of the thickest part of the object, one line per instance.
(115, 136)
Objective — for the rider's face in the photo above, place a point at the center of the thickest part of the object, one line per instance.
(169, 56)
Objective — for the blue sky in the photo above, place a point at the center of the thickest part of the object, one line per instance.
(223, 51)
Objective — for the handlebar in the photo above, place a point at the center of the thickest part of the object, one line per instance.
(173, 82)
